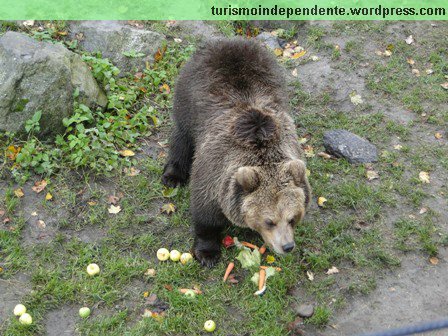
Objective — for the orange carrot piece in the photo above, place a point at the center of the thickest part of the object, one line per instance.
(228, 271)
(249, 245)
(262, 250)
(278, 269)
(261, 279)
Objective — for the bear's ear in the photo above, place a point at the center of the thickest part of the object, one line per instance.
(297, 169)
(247, 178)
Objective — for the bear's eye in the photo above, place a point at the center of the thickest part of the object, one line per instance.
(292, 222)
(269, 223)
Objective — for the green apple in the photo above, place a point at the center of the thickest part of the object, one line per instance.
(19, 310)
(190, 294)
(93, 269)
(209, 326)
(26, 319)
(175, 255)
(186, 258)
(163, 254)
(84, 312)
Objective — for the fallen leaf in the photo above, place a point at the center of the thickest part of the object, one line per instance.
(28, 23)
(356, 99)
(307, 172)
(132, 171)
(165, 88)
(19, 193)
(159, 53)
(324, 155)
(398, 147)
(39, 186)
(34, 214)
(372, 175)
(145, 294)
(434, 260)
(294, 72)
(92, 203)
(309, 151)
(410, 61)
(314, 58)
(438, 135)
(168, 208)
(48, 197)
(387, 53)
(168, 287)
(12, 151)
(41, 224)
(320, 201)
(6, 220)
(112, 199)
(299, 54)
(151, 299)
(429, 71)
(444, 85)
(177, 40)
(332, 270)
(270, 259)
(310, 275)
(416, 72)
(150, 272)
(424, 177)
(114, 209)
(126, 152)
(2, 212)
(278, 52)
(409, 39)
(423, 210)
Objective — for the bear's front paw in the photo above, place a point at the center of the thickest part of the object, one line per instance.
(207, 258)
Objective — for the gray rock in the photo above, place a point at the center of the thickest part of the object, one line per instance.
(355, 149)
(41, 76)
(199, 29)
(304, 310)
(113, 38)
(269, 40)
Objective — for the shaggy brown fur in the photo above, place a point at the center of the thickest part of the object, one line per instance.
(233, 131)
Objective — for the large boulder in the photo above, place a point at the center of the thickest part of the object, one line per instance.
(114, 39)
(41, 76)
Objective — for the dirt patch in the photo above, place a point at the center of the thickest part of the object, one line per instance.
(11, 292)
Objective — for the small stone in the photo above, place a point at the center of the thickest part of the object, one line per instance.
(355, 149)
(304, 310)
(269, 40)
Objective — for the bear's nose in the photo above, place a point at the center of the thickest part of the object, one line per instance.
(288, 247)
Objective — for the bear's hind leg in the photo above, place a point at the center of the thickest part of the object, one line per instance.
(177, 169)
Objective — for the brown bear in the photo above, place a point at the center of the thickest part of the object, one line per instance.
(232, 130)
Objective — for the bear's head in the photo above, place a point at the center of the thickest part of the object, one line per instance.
(274, 199)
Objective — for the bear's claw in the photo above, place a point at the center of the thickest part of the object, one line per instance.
(207, 258)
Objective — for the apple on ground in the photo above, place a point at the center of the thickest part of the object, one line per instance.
(19, 310)
(26, 319)
(210, 326)
(186, 258)
(163, 254)
(93, 269)
(175, 255)
(84, 312)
